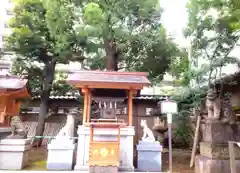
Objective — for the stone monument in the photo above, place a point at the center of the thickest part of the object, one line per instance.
(149, 151)
(61, 149)
(15, 146)
(219, 127)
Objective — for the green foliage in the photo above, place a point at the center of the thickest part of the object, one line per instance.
(183, 133)
(134, 26)
(42, 34)
(213, 31)
(212, 35)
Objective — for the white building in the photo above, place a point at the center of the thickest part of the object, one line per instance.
(6, 7)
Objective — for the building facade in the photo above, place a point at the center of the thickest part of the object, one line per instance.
(6, 7)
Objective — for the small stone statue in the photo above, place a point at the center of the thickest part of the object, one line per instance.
(147, 133)
(219, 109)
(17, 128)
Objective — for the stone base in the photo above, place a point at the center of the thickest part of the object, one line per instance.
(217, 132)
(103, 169)
(60, 155)
(120, 169)
(4, 132)
(149, 156)
(126, 146)
(14, 153)
(205, 164)
(217, 151)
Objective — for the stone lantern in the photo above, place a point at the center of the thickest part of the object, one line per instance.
(160, 123)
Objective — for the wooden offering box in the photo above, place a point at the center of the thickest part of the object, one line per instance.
(104, 153)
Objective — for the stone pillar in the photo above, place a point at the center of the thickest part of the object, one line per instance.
(61, 149)
(60, 154)
(14, 153)
(214, 152)
(126, 146)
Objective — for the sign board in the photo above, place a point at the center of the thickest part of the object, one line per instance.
(169, 107)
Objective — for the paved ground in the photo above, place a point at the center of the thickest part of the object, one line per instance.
(60, 172)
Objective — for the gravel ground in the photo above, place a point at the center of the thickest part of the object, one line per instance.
(181, 160)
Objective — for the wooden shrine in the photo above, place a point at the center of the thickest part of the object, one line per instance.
(107, 89)
(12, 88)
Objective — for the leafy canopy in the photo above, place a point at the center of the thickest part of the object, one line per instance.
(210, 28)
(42, 35)
(213, 28)
(134, 26)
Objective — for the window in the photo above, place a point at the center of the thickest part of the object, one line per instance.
(4, 38)
(6, 25)
(148, 111)
(9, 12)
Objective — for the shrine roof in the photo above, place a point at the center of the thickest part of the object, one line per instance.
(12, 82)
(96, 79)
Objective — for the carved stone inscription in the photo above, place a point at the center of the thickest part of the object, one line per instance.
(216, 132)
(217, 151)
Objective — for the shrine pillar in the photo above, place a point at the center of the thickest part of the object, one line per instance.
(130, 108)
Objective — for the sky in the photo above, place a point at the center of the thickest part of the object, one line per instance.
(175, 18)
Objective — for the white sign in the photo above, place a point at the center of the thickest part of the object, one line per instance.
(169, 107)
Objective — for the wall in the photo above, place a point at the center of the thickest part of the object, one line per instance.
(54, 123)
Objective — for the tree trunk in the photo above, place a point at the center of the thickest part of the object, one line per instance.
(112, 55)
(49, 70)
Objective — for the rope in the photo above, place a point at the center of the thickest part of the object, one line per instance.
(48, 137)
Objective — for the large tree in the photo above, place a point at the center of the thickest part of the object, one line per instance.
(125, 35)
(33, 39)
(213, 33)
(121, 34)
(213, 29)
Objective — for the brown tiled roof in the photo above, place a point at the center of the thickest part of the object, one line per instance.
(84, 77)
(12, 82)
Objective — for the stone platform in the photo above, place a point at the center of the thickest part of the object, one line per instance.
(218, 151)
(205, 164)
(60, 148)
(3, 171)
(149, 156)
(126, 146)
(14, 153)
(4, 132)
(214, 151)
